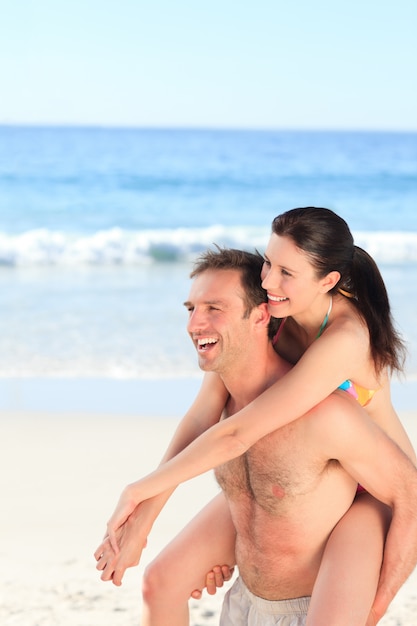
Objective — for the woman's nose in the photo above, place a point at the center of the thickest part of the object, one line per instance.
(269, 280)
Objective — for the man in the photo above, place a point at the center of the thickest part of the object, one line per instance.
(288, 491)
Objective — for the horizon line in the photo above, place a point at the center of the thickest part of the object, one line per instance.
(201, 128)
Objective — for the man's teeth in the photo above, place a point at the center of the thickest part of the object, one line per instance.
(276, 298)
(206, 340)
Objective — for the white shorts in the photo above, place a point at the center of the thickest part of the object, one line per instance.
(243, 608)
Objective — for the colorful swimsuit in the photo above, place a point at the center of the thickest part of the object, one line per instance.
(361, 394)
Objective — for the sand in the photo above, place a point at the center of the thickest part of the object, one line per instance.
(60, 477)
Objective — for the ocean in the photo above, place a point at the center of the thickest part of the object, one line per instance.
(99, 228)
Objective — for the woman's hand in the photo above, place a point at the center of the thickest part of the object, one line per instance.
(132, 541)
(128, 501)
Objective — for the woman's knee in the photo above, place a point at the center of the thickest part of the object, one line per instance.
(161, 579)
(154, 579)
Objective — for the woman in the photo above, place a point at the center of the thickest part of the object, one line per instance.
(322, 287)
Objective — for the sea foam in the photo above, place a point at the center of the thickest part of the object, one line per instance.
(117, 246)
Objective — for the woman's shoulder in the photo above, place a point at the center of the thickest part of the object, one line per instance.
(346, 339)
(346, 321)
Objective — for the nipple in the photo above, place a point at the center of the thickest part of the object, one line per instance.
(278, 491)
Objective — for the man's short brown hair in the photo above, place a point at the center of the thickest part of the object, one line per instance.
(249, 266)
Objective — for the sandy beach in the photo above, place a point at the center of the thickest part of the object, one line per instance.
(60, 476)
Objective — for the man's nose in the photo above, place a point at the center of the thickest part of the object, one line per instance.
(196, 321)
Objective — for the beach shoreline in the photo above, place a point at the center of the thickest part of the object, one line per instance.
(61, 475)
(130, 396)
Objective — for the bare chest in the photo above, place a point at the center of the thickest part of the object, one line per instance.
(279, 468)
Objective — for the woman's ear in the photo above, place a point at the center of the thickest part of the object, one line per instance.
(329, 281)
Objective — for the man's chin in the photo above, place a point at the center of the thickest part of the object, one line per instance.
(205, 364)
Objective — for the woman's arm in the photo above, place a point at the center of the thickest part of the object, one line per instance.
(320, 370)
(205, 411)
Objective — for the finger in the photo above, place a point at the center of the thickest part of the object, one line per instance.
(118, 575)
(196, 594)
(107, 575)
(107, 572)
(218, 576)
(99, 552)
(105, 546)
(113, 541)
(211, 583)
(227, 572)
(101, 563)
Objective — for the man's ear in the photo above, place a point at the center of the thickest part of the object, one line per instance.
(329, 281)
(262, 316)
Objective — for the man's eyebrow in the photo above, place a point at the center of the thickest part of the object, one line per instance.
(187, 303)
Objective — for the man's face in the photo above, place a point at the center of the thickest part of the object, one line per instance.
(216, 323)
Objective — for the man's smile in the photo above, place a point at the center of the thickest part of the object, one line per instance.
(204, 342)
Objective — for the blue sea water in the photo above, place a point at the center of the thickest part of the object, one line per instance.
(99, 227)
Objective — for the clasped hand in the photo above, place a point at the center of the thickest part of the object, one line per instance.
(113, 564)
(128, 502)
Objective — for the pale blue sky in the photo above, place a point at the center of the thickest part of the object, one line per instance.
(218, 63)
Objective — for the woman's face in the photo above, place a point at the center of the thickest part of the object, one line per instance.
(289, 278)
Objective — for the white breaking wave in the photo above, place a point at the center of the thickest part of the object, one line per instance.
(123, 247)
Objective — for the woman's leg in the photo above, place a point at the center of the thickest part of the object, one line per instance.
(349, 572)
(208, 540)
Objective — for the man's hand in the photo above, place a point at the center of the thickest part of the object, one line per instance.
(214, 580)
